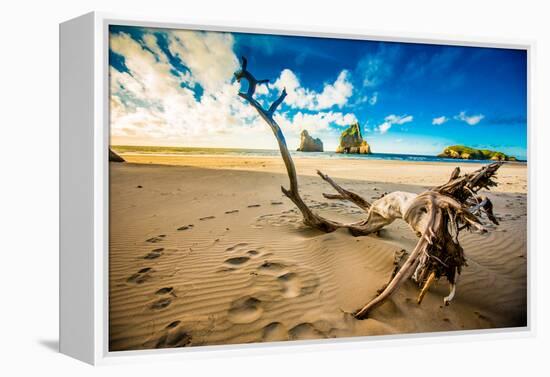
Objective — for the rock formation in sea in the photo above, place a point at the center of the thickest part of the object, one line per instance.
(115, 157)
(309, 144)
(351, 141)
(467, 153)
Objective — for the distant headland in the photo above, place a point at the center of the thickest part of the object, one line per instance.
(467, 153)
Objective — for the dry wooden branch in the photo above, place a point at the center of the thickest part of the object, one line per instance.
(437, 215)
(425, 288)
(345, 194)
(310, 218)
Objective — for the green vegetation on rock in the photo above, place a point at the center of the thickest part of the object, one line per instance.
(351, 141)
(467, 153)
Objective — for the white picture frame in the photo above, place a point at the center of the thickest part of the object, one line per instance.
(84, 189)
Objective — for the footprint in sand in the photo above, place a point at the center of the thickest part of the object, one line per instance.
(237, 246)
(207, 218)
(161, 303)
(141, 276)
(252, 253)
(226, 269)
(271, 267)
(173, 336)
(232, 211)
(246, 309)
(186, 227)
(273, 203)
(173, 324)
(254, 206)
(274, 332)
(165, 291)
(294, 284)
(237, 261)
(156, 239)
(305, 330)
(290, 284)
(154, 254)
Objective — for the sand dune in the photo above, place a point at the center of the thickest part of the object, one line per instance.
(202, 256)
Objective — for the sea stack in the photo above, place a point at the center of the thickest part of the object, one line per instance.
(351, 141)
(309, 144)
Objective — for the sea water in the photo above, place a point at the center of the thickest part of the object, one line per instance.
(275, 153)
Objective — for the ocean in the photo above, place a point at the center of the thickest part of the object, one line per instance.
(275, 153)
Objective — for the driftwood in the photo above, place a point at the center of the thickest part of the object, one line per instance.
(436, 215)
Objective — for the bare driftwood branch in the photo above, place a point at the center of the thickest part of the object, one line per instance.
(345, 194)
(436, 215)
(310, 218)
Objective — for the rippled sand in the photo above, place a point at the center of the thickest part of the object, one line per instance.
(207, 251)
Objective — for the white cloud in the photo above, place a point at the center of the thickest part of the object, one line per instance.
(377, 67)
(399, 119)
(440, 120)
(384, 127)
(154, 104)
(391, 120)
(471, 119)
(209, 56)
(262, 89)
(151, 103)
(336, 94)
(373, 99)
(373, 72)
(370, 99)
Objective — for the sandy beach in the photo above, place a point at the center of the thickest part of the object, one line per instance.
(206, 250)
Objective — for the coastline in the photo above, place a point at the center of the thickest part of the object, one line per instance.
(512, 176)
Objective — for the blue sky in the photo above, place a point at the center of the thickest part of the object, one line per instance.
(175, 87)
